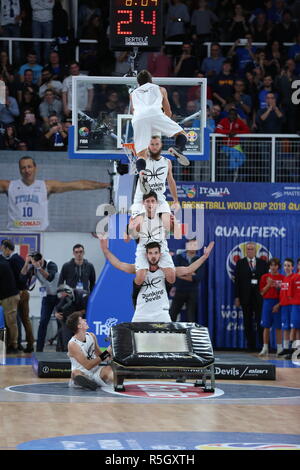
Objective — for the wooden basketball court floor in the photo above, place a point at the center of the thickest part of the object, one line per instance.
(42, 410)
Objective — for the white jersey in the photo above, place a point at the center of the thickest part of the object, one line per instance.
(146, 101)
(152, 301)
(157, 173)
(152, 230)
(88, 349)
(27, 206)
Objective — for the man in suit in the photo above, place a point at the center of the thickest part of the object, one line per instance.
(247, 276)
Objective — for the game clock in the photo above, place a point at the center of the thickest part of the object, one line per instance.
(136, 23)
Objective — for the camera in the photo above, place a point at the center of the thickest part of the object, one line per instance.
(36, 256)
(243, 42)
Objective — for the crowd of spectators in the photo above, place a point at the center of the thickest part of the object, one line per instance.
(255, 80)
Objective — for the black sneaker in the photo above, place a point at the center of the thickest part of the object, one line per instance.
(11, 350)
(284, 352)
(144, 185)
(176, 152)
(28, 349)
(85, 382)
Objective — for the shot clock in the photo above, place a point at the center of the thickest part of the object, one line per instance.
(136, 23)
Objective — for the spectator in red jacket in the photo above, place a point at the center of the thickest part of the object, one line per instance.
(231, 148)
(230, 126)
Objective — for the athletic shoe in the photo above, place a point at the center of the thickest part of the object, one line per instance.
(175, 151)
(11, 350)
(284, 352)
(85, 382)
(264, 352)
(28, 349)
(144, 185)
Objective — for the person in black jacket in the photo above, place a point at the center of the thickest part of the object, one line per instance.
(187, 285)
(71, 300)
(16, 263)
(9, 299)
(78, 272)
(247, 296)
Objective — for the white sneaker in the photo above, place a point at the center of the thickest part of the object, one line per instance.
(184, 161)
(264, 352)
(144, 185)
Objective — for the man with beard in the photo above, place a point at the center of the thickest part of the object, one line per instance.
(159, 171)
(151, 298)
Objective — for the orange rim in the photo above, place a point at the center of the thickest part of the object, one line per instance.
(130, 146)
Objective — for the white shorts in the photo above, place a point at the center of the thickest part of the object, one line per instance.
(141, 261)
(159, 317)
(94, 375)
(145, 128)
(138, 208)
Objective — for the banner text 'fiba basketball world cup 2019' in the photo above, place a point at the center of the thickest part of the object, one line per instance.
(191, 221)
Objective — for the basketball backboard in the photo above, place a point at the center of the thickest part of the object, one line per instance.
(102, 123)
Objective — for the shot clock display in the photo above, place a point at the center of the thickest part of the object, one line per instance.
(136, 23)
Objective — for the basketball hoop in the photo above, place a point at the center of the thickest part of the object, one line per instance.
(131, 155)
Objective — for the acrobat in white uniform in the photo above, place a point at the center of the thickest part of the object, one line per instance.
(157, 173)
(88, 349)
(149, 118)
(152, 303)
(152, 230)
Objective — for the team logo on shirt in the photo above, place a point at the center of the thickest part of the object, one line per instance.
(151, 284)
(239, 252)
(154, 235)
(155, 174)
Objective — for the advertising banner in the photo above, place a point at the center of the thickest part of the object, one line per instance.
(234, 214)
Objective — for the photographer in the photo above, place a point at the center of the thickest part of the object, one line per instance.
(47, 274)
(71, 300)
(55, 139)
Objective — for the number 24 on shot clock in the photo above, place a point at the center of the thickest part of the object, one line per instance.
(136, 23)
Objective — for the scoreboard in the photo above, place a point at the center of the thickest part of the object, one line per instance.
(136, 23)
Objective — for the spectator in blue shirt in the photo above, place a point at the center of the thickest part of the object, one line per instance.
(243, 102)
(266, 88)
(31, 64)
(270, 120)
(243, 54)
(212, 66)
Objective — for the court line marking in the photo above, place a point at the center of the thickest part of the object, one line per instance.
(145, 398)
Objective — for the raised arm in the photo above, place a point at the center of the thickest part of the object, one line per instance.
(185, 270)
(54, 186)
(114, 261)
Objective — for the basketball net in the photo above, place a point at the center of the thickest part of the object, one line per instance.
(131, 155)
